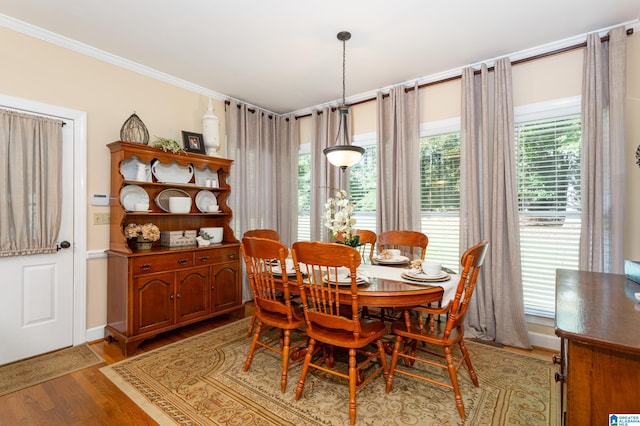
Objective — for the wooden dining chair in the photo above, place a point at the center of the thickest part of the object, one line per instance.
(331, 314)
(412, 244)
(272, 302)
(367, 242)
(271, 234)
(439, 337)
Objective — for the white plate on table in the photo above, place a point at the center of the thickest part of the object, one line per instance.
(204, 199)
(129, 169)
(172, 173)
(396, 260)
(131, 195)
(277, 270)
(415, 275)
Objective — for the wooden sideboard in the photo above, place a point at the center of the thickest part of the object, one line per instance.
(599, 325)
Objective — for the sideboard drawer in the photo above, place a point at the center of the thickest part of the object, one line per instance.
(220, 255)
(163, 262)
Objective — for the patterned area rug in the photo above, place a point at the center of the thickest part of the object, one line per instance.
(200, 381)
(29, 372)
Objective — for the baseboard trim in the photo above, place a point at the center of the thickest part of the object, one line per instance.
(545, 341)
(95, 333)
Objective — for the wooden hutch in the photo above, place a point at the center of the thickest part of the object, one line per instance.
(149, 292)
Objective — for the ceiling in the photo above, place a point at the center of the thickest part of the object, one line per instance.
(283, 55)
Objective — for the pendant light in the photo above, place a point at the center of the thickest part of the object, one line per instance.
(343, 154)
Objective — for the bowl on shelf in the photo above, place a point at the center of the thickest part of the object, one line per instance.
(179, 204)
(214, 233)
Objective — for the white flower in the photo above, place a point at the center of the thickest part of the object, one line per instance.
(338, 217)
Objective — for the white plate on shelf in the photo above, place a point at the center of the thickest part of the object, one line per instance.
(162, 199)
(132, 194)
(204, 199)
(129, 169)
(203, 174)
(171, 173)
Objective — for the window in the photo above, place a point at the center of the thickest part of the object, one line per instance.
(548, 140)
(363, 183)
(440, 191)
(304, 193)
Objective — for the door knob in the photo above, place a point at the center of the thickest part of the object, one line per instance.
(63, 245)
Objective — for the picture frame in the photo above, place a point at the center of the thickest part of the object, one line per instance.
(193, 142)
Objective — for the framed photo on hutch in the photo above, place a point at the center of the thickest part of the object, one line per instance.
(193, 142)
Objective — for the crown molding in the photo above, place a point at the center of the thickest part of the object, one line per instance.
(84, 49)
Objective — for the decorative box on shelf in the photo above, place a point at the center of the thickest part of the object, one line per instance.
(178, 238)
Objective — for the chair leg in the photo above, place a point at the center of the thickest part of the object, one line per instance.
(467, 361)
(253, 321)
(454, 380)
(352, 386)
(285, 359)
(252, 348)
(394, 362)
(382, 354)
(305, 368)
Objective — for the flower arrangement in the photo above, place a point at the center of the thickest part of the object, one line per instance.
(338, 218)
(148, 231)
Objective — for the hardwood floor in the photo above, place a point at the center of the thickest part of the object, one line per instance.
(87, 397)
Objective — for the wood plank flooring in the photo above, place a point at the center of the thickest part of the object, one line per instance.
(87, 397)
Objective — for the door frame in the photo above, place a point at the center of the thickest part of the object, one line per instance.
(79, 119)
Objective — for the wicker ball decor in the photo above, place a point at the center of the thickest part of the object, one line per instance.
(134, 130)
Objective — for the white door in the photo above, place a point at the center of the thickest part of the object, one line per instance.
(37, 303)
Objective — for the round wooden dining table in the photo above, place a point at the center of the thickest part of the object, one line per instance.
(385, 288)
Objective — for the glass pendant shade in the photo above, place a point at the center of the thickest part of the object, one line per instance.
(343, 156)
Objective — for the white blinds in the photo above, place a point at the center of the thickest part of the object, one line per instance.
(548, 158)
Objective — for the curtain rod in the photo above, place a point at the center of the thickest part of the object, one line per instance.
(477, 72)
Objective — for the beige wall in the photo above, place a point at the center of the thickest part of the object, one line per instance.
(43, 72)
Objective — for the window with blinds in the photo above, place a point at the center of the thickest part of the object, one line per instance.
(363, 183)
(440, 196)
(549, 205)
(304, 193)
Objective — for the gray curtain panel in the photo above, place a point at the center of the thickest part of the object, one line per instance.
(30, 183)
(496, 311)
(603, 142)
(264, 148)
(398, 194)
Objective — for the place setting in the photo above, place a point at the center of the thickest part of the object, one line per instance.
(343, 277)
(428, 272)
(391, 257)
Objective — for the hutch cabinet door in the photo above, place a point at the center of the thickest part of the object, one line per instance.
(192, 293)
(225, 288)
(153, 301)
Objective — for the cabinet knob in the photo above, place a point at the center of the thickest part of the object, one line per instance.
(204, 258)
(560, 377)
(557, 359)
(145, 266)
(171, 297)
(183, 261)
(231, 255)
(179, 295)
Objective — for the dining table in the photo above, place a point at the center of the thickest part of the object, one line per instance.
(384, 286)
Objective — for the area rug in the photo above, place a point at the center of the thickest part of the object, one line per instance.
(200, 381)
(29, 372)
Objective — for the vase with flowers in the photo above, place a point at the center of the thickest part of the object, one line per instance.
(145, 235)
(339, 219)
